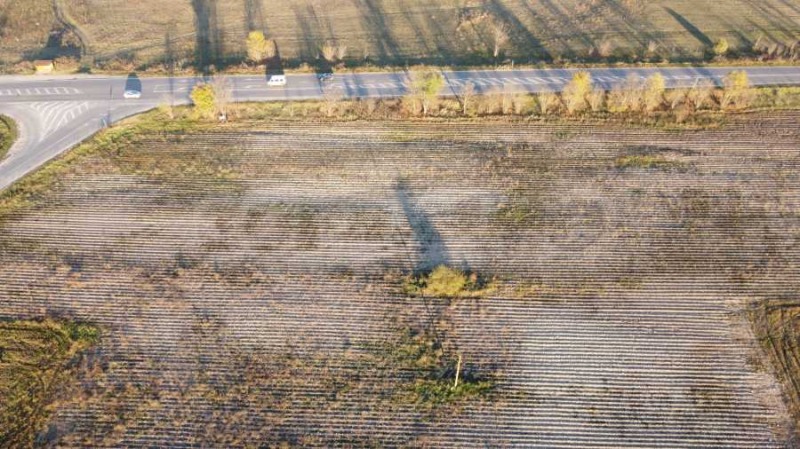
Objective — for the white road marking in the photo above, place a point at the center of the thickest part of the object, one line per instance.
(58, 114)
(40, 91)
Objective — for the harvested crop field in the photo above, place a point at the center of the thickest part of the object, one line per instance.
(125, 35)
(249, 282)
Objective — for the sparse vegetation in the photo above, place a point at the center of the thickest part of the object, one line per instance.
(37, 369)
(8, 135)
(279, 303)
(447, 282)
(426, 84)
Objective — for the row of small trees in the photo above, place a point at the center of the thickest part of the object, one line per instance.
(637, 95)
(645, 96)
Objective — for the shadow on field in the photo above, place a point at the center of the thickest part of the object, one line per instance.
(521, 37)
(254, 16)
(375, 24)
(693, 30)
(207, 34)
(432, 249)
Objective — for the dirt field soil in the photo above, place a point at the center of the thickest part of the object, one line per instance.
(250, 282)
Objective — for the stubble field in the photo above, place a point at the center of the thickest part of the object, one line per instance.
(124, 35)
(250, 281)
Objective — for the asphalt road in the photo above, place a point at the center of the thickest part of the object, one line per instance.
(56, 113)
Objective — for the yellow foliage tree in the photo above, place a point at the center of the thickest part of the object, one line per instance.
(653, 94)
(576, 91)
(721, 47)
(257, 47)
(204, 100)
(736, 90)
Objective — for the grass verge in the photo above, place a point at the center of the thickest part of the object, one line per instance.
(8, 135)
(37, 362)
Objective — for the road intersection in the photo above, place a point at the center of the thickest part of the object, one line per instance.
(54, 114)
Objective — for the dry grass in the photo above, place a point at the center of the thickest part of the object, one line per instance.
(8, 134)
(37, 369)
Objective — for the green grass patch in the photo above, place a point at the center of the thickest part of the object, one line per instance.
(646, 162)
(8, 135)
(433, 385)
(36, 367)
(447, 282)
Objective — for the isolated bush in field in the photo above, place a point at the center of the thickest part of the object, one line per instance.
(653, 94)
(721, 47)
(204, 101)
(425, 87)
(445, 282)
(257, 47)
(575, 92)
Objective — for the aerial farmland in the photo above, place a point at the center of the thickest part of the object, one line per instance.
(255, 283)
(349, 224)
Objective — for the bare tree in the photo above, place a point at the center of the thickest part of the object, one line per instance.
(547, 102)
(500, 36)
(328, 51)
(223, 94)
(332, 95)
(467, 94)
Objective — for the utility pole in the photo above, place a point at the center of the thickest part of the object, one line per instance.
(458, 372)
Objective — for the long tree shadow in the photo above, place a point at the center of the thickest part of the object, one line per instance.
(432, 249)
(207, 34)
(374, 19)
(254, 16)
(693, 30)
(524, 42)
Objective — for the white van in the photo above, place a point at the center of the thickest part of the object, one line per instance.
(276, 80)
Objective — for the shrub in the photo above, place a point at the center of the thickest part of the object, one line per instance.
(736, 90)
(575, 92)
(445, 282)
(547, 102)
(721, 47)
(257, 47)
(425, 87)
(653, 94)
(204, 100)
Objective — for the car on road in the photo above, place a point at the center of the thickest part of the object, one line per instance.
(276, 80)
(132, 94)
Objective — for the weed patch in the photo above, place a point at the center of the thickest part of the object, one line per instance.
(8, 135)
(36, 364)
(447, 282)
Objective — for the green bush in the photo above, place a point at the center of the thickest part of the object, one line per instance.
(444, 282)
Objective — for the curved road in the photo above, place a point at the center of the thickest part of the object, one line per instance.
(56, 113)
